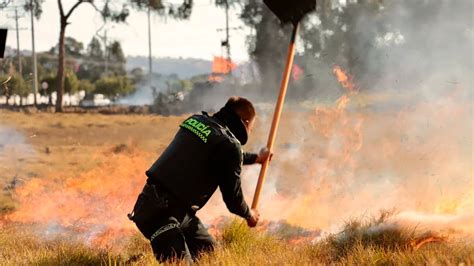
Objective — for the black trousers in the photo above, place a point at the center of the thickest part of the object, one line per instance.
(185, 240)
(173, 230)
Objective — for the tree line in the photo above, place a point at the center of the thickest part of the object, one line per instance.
(65, 77)
(371, 39)
(85, 70)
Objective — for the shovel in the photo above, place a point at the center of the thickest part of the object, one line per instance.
(287, 11)
(3, 39)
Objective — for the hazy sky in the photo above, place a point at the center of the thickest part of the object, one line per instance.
(197, 37)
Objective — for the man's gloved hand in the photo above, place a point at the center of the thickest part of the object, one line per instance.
(253, 219)
(263, 155)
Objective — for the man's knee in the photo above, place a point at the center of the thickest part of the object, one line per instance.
(197, 237)
(168, 242)
(198, 246)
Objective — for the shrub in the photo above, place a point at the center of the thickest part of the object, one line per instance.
(114, 86)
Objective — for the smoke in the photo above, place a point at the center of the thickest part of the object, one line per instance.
(13, 143)
(403, 141)
(146, 92)
(15, 151)
(90, 206)
(337, 163)
(443, 52)
(143, 95)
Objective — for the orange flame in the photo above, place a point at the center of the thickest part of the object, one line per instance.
(220, 67)
(353, 162)
(92, 205)
(344, 79)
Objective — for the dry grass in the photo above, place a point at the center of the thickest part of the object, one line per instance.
(240, 245)
(67, 142)
(45, 144)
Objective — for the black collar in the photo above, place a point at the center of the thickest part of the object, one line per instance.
(234, 123)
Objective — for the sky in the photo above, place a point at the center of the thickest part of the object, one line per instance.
(194, 38)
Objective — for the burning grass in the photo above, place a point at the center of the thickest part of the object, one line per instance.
(372, 241)
(21, 247)
(91, 205)
(381, 233)
(363, 241)
(70, 205)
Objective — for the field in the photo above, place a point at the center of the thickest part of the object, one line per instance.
(69, 179)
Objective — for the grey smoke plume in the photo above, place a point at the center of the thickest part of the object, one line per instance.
(15, 152)
(13, 145)
(403, 141)
(145, 92)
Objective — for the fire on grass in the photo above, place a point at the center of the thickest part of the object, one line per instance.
(89, 206)
(355, 162)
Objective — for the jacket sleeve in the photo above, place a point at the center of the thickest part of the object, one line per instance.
(228, 166)
(249, 158)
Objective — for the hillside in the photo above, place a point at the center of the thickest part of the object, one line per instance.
(183, 67)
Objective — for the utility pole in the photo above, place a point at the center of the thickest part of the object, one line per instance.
(16, 16)
(106, 54)
(18, 41)
(150, 62)
(227, 30)
(35, 70)
(227, 37)
(104, 39)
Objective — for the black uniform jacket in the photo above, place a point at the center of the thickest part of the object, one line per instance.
(204, 155)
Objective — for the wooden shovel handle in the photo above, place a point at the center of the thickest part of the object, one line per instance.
(277, 114)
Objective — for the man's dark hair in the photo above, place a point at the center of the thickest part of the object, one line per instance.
(241, 106)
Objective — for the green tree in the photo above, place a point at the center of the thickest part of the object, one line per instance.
(116, 58)
(181, 11)
(86, 85)
(106, 12)
(51, 84)
(114, 86)
(48, 61)
(36, 5)
(138, 75)
(115, 52)
(94, 49)
(50, 80)
(269, 44)
(19, 86)
(186, 85)
(5, 90)
(27, 62)
(115, 11)
(73, 47)
(145, 4)
(90, 70)
(92, 65)
(331, 35)
(71, 83)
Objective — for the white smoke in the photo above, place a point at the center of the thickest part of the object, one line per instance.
(415, 121)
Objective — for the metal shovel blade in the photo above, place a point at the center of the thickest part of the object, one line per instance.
(291, 10)
(3, 39)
